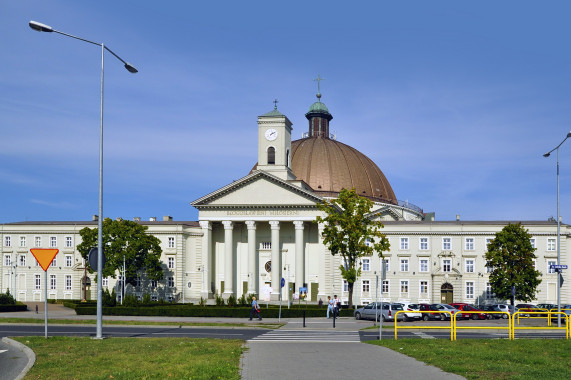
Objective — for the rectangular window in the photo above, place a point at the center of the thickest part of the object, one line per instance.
(171, 242)
(535, 264)
(153, 283)
(138, 282)
(387, 262)
(424, 289)
(469, 244)
(38, 241)
(53, 241)
(470, 289)
(551, 245)
(386, 287)
(489, 294)
(7, 260)
(446, 244)
(345, 286)
(22, 260)
(37, 282)
(68, 282)
(489, 267)
(53, 281)
(68, 260)
(403, 243)
(366, 286)
(54, 263)
(423, 265)
(171, 262)
(404, 265)
(532, 241)
(446, 265)
(404, 288)
(549, 264)
(69, 242)
(7, 241)
(105, 282)
(22, 241)
(469, 265)
(488, 241)
(154, 297)
(366, 265)
(423, 243)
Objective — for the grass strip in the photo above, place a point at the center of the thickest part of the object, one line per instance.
(491, 359)
(128, 358)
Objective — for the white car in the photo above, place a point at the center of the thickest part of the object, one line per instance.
(412, 307)
(445, 307)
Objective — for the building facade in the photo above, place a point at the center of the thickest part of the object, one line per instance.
(260, 231)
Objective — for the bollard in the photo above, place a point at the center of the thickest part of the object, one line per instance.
(304, 318)
(334, 318)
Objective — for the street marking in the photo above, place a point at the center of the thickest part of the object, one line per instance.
(423, 335)
(308, 336)
(1, 351)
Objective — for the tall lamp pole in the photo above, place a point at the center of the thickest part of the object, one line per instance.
(45, 28)
(558, 232)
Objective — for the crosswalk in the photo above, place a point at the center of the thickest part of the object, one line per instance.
(308, 336)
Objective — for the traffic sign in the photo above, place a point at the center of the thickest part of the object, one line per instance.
(92, 258)
(283, 282)
(44, 256)
(556, 266)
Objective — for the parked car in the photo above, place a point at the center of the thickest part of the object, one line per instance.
(523, 307)
(505, 308)
(473, 309)
(429, 316)
(547, 306)
(411, 307)
(373, 310)
(493, 315)
(445, 307)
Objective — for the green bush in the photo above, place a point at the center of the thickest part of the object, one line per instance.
(232, 301)
(6, 298)
(146, 298)
(131, 301)
(109, 299)
(219, 300)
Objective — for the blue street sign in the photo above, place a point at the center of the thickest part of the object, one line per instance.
(555, 266)
(283, 282)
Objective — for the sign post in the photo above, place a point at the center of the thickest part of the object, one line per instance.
(44, 257)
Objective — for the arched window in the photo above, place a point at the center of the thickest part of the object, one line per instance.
(271, 155)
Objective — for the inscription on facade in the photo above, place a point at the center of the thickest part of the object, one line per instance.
(263, 212)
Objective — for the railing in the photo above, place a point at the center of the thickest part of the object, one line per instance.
(407, 204)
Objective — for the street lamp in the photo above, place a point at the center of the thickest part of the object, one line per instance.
(45, 28)
(558, 232)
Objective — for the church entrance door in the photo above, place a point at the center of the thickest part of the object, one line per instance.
(447, 293)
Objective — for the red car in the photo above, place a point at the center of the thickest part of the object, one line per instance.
(467, 307)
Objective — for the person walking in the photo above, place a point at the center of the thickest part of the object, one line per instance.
(329, 306)
(336, 306)
(255, 309)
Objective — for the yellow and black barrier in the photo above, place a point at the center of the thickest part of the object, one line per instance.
(539, 314)
(451, 327)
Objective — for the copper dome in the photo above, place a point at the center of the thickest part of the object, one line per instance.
(329, 166)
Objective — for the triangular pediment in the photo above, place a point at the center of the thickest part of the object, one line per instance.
(259, 189)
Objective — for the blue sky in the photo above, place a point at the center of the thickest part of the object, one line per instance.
(455, 101)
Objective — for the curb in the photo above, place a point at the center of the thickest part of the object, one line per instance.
(26, 350)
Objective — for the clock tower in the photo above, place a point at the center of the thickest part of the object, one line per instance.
(274, 144)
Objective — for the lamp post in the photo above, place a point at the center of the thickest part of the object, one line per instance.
(45, 28)
(558, 232)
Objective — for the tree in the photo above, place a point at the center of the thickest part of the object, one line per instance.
(348, 231)
(511, 256)
(124, 238)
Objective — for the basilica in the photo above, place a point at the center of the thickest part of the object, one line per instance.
(258, 235)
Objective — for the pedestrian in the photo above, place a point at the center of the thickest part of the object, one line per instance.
(255, 309)
(320, 303)
(36, 309)
(329, 306)
(336, 306)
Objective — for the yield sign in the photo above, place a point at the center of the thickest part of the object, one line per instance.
(44, 256)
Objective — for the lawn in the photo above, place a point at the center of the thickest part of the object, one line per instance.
(491, 359)
(134, 358)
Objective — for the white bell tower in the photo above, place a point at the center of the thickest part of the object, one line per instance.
(274, 144)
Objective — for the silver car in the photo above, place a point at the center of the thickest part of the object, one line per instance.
(445, 307)
(504, 307)
(373, 310)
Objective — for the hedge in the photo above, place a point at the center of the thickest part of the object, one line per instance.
(177, 310)
(9, 308)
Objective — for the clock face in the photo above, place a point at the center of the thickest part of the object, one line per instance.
(271, 134)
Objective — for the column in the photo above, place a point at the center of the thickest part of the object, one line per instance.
(276, 262)
(299, 255)
(253, 276)
(207, 266)
(228, 262)
(326, 258)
